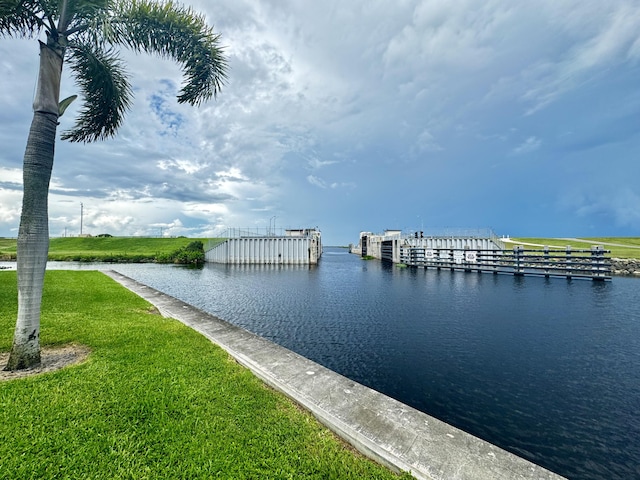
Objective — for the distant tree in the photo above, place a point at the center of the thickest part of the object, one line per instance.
(86, 34)
(191, 254)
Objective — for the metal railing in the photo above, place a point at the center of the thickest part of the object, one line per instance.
(453, 232)
(569, 263)
(261, 232)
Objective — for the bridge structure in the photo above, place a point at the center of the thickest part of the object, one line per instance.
(483, 251)
(266, 246)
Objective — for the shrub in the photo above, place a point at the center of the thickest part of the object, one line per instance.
(192, 254)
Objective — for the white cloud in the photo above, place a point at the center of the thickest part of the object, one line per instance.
(348, 185)
(611, 41)
(11, 175)
(316, 163)
(187, 166)
(316, 181)
(232, 174)
(10, 204)
(451, 35)
(426, 143)
(531, 144)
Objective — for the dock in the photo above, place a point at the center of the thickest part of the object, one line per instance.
(482, 251)
(590, 264)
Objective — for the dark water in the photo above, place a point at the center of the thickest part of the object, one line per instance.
(546, 368)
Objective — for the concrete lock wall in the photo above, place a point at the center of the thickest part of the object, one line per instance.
(455, 243)
(375, 244)
(266, 251)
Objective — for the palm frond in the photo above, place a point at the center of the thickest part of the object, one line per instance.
(21, 18)
(88, 8)
(105, 89)
(27, 18)
(79, 13)
(175, 32)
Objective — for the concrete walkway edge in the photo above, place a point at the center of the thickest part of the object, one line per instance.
(380, 427)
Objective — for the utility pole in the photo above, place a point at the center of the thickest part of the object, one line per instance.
(271, 233)
(81, 215)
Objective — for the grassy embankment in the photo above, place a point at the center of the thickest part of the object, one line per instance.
(626, 247)
(154, 400)
(109, 249)
(7, 248)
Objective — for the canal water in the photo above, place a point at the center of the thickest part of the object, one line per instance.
(548, 369)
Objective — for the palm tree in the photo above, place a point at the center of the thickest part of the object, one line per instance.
(86, 34)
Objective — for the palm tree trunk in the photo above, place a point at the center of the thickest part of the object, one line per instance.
(33, 235)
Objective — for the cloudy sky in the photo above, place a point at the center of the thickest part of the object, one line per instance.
(518, 115)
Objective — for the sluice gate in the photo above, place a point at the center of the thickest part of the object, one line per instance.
(590, 264)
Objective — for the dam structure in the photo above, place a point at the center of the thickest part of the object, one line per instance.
(395, 245)
(302, 246)
(482, 251)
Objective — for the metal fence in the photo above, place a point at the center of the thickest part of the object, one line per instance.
(266, 232)
(548, 262)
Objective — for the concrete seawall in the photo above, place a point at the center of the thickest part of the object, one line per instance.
(382, 428)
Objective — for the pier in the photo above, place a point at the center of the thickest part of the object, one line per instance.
(569, 263)
(483, 252)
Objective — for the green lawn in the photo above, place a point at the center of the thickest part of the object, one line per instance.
(154, 400)
(122, 249)
(586, 243)
(7, 248)
(136, 248)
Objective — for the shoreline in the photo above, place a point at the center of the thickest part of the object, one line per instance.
(625, 267)
(390, 432)
(620, 267)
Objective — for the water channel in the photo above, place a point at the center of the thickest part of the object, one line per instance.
(548, 369)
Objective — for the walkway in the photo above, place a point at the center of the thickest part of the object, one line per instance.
(384, 429)
(600, 243)
(515, 242)
(581, 240)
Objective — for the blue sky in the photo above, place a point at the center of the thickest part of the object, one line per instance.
(363, 115)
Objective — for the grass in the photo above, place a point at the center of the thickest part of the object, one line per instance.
(89, 248)
(154, 400)
(103, 249)
(586, 243)
(7, 248)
